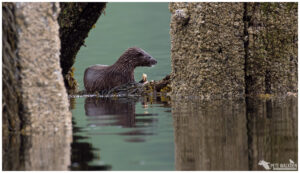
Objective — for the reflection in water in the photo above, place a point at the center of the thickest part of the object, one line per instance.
(210, 135)
(215, 135)
(120, 127)
(272, 131)
(39, 151)
(233, 135)
(12, 154)
(82, 153)
(120, 112)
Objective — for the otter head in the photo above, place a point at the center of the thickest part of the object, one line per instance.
(138, 57)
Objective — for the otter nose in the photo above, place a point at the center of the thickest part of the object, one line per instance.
(153, 61)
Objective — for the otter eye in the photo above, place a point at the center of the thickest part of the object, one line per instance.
(140, 54)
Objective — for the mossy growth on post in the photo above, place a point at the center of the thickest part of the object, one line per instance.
(75, 21)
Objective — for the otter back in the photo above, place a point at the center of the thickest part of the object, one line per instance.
(103, 77)
(93, 74)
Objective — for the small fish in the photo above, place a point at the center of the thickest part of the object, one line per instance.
(144, 79)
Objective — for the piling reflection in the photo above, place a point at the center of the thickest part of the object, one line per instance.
(38, 151)
(210, 135)
(272, 131)
(234, 135)
(83, 153)
(12, 154)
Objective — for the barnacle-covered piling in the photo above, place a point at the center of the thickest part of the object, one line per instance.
(226, 50)
(35, 97)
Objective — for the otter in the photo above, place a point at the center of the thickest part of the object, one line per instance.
(104, 77)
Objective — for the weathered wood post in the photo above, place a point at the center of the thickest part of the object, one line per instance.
(207, 49)
(35, 101)
(271, 47)
(222, 50)
(35, 98)
(44, 98)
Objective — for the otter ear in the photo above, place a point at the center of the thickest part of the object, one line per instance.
(139, 53)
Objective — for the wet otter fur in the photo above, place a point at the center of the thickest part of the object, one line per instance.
(104, 77)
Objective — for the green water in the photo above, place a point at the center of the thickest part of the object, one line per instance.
(124, 25)
(122, 135)
(156, 133)
(151, 134)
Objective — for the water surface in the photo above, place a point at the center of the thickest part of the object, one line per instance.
(155, 133)
(125, 134)
(143, 134)
(124, 25)
(234, 135)
(127, 131)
